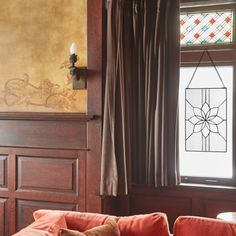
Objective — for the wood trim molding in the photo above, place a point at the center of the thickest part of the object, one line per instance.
(46, 116)
(94, 128)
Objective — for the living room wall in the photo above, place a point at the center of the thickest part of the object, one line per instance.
(34, 55)
(51, 158)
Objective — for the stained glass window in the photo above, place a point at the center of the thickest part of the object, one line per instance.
(206, 28)
(206, 119)
(205, 122)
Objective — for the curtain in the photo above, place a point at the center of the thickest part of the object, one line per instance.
(139, 143)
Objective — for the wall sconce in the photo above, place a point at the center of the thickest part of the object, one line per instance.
(78, 74)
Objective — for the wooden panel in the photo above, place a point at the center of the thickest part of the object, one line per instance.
(174, 201)
(3, 221)
(26, 208)
(3, 171)
(95, 59)
(44, 178)
(189, 57)
(118, 205)
(172, 206)
(213, 207)
(47, 174)
(43, 134)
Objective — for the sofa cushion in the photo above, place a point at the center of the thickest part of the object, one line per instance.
(81, 221)
(154, 224)
(195, 226)
(108, 229)
(47, 225)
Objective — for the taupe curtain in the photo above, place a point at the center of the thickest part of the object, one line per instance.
(139, 143)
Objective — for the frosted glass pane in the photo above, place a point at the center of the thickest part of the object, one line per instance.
(205, 122)
(206, 28)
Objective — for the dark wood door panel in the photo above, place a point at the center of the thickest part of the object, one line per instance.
(26, 208)
(3, 171)
(3, 218)
(47, 174)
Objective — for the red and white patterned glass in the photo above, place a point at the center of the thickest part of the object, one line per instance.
(206, 28)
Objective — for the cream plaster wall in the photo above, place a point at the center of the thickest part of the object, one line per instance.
(35, 36)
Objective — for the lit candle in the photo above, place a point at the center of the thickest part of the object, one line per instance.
(73, 48)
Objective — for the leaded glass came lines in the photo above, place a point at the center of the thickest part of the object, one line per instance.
(206, 28)
(206, 119)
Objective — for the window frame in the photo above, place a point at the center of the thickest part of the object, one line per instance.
(223, 54)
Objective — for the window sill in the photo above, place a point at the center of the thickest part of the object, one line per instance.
(205, 186)
(185, 189)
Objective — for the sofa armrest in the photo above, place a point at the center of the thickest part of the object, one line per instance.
(47, 225)
(195, 226)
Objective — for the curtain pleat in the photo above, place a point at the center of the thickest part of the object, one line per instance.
(141, 94)
(116, 144)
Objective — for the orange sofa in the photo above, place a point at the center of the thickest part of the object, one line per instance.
(48, 223)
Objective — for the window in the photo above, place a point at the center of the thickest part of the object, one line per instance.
(206, 28)
(206, 94)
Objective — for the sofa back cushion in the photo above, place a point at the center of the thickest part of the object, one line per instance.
(201, 226)
(154, 224)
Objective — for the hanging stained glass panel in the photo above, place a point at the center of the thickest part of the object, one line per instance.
(205, 119)
(217, 164)
(206, 113)
(206, 28)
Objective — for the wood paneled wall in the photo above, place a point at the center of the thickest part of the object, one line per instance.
(44, 179)
(51, 172)
(52, 160)
(174, 201)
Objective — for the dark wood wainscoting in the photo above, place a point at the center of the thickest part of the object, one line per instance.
(44, 165)
(176, 201)
(47, 168)
(53, 163)
(3, 218)
(39, 178)
(25, 209)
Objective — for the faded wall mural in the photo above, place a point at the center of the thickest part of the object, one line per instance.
(35, 36)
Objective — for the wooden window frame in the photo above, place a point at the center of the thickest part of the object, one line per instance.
(223, 54)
